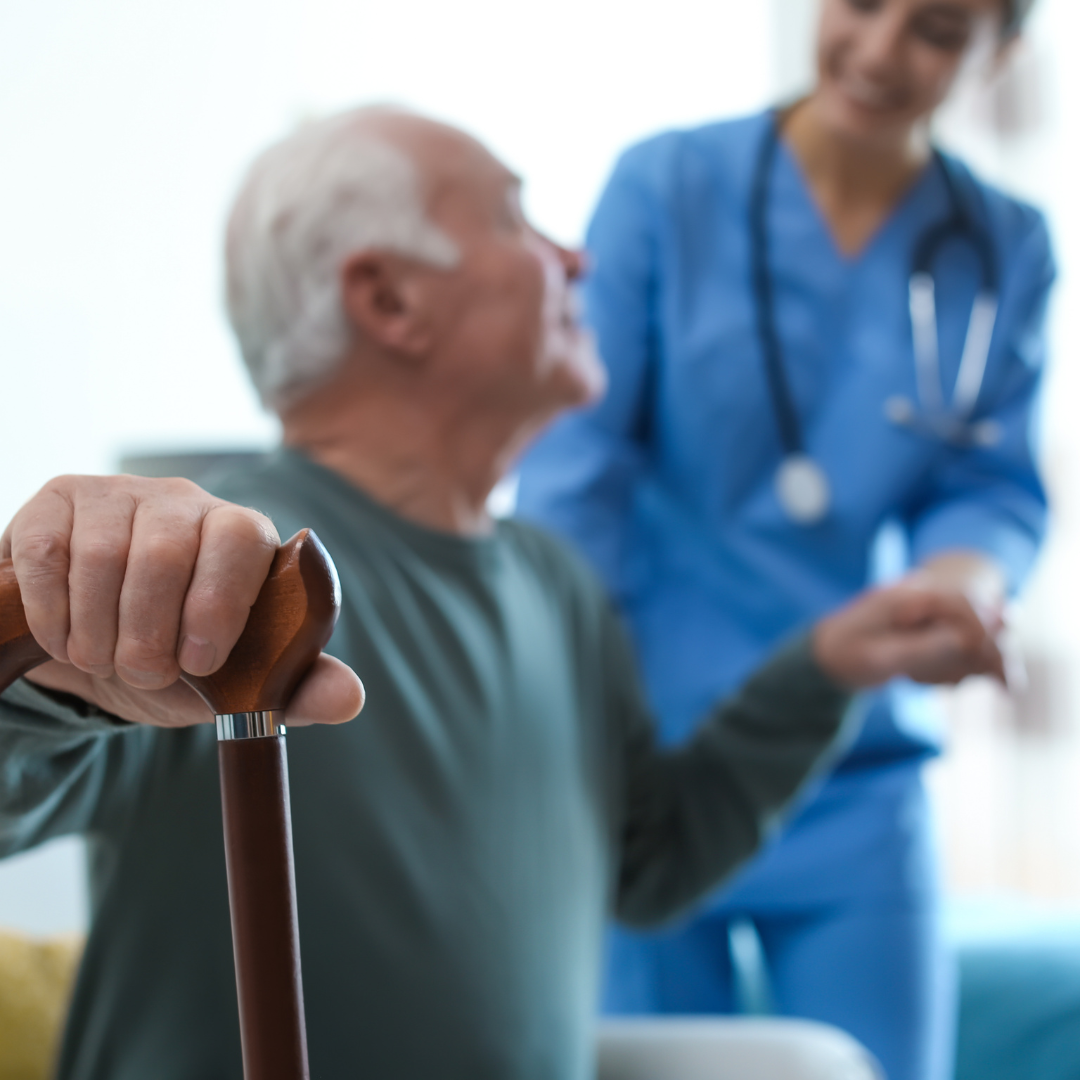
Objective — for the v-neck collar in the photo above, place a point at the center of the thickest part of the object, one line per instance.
(914, 195)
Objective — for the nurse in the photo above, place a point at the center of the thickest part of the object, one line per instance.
(818, 329)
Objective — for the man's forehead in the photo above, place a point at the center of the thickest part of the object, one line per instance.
(452, 164)
(468, 170)
(456, 157)
(434, 147)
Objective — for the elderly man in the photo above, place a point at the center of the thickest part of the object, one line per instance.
(458, 849)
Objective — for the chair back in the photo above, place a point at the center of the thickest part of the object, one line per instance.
(730, 1048)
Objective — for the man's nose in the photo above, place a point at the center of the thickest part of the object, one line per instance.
(573, 262)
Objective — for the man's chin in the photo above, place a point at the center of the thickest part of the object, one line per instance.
(582, 374)
(592, 384)
(569, 387)
(570, 375)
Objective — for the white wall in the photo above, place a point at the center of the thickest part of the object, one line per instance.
(125, 126)
(44, 891)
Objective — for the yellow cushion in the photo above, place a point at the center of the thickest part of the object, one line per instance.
(35, 983)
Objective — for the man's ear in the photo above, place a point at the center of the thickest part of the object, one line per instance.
(383, 296)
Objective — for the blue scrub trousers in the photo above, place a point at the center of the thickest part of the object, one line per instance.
(872, 963)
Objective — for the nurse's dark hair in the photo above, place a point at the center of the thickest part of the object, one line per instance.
(1016, 11)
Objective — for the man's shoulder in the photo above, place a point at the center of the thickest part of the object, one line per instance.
(550, 553)
(233, 480)
(555, 562)
(293, 493)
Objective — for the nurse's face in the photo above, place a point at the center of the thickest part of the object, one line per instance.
(884, 65)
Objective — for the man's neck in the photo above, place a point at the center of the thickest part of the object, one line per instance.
(425, 463)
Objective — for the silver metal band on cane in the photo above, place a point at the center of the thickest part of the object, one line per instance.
(250, 725)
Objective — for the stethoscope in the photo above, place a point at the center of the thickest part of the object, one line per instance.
(802, 486)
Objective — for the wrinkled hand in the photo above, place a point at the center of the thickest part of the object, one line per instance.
(126, 582)
(929, 634)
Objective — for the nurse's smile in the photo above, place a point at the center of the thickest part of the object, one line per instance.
(893, 61)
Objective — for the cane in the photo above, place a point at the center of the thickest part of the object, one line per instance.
(290, 622)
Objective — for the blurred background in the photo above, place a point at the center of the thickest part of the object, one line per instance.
(125, 126)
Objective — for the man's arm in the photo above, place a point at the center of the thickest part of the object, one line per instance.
(63, 764)
(692, 815)
(126, 582)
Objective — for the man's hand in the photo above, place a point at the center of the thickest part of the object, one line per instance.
(930, 635)
(126, 582)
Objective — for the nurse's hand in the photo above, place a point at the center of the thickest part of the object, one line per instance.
(126, 582)
(928, 634)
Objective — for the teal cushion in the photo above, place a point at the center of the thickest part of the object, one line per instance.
(1019, 994)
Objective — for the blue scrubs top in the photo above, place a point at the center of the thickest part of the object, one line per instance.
(667, 485)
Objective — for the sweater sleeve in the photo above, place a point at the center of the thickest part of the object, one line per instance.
(691, 815)
(62, 763)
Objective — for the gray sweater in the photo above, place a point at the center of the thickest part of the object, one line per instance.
(458, 847)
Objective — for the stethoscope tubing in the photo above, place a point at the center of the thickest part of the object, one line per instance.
(787, 418)
(934, 417)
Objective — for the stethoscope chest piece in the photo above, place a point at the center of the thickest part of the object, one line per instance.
(803, 489)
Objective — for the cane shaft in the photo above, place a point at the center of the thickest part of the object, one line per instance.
(290, 622)
(262, 900)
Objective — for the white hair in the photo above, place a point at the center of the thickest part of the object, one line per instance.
(308, 203)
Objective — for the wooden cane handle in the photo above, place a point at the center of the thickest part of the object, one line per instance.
(290, 622)
(19, 652)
